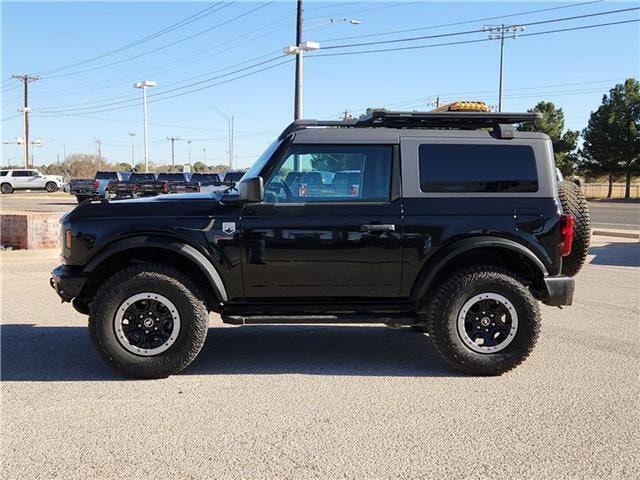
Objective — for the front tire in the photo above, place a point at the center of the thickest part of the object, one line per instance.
(148, 321)
(51, 187)
(6, 188)
(483, 321)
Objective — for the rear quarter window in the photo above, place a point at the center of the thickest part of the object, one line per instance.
(469, 168)
(3, 173)
(106, 176)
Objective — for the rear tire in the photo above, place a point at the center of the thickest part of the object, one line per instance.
(573, 202)
(168, 337)
(51, 187)
(6, 188)
(483, 321)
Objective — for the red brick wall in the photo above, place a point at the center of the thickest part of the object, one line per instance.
(30, 230)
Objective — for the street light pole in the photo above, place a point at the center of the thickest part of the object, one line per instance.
(144, 85)
(133, 154)
(64, 149)
(230, 124)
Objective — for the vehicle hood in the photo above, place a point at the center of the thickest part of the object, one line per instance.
(201, 204)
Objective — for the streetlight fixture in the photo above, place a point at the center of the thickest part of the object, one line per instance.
(144, 85)
(307, 46)
(297, 51)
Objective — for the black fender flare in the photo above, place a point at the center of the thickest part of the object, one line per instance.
(172, 245)
(447, 253)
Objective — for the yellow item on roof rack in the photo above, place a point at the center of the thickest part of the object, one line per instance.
(463, 106)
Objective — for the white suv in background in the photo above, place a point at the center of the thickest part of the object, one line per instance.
(11, 180)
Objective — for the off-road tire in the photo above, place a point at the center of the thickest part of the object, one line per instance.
(163, 280)
(51, 187)
(573, 202)
(447, 302)
(6, 188)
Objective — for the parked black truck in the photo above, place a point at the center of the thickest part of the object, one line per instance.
(452, 223)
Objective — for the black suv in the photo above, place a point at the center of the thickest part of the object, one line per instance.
(449, 222)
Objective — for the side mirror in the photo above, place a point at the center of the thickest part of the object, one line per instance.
(251, 190)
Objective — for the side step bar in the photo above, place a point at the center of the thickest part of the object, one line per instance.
(393, 319)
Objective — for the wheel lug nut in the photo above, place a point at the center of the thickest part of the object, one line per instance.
(156, 328)
(139, 326)
(146, 331)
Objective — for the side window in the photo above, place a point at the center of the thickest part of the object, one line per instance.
(20, 173)
(340, 173)
(452, 168)
(3, 173)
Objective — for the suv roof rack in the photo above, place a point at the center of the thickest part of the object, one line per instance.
(501, 122)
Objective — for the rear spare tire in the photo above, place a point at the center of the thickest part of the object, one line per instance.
(573, 202)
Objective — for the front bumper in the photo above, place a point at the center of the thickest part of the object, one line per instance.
(560, 290)
(67, 281)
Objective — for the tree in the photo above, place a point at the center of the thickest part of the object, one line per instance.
(624, 100)
(596, 156)
(552, 123)
(82, 165)
(200, 167)
(122, 167)
(612, 138)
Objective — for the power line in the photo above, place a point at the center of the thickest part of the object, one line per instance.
(171, 44)
(491, 93)
(478, 20)
(467, 32)
(161, 93)
(129, 97)
(188, 92)
(416, 47)
(186, 21)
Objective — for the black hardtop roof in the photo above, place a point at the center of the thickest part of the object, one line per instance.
(501, 122)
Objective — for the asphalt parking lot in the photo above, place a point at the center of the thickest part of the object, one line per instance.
(265, 402)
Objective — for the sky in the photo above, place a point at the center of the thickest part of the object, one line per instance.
(227, 60)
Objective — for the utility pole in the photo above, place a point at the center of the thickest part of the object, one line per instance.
(204, 155)
(26, 79)
(500, 32)
(297, 109)
(133, 150)
(189, 143)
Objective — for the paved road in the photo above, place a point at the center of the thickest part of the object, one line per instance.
(615, 215)
(37, 202)
(266, 402)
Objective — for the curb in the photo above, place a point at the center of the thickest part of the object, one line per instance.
(617, 233)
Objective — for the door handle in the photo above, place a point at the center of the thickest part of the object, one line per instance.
(377, 227)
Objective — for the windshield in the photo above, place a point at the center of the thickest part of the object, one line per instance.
(205, 177)
(259, 164)
(106, 176)
(176, 177)
(142, 177)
